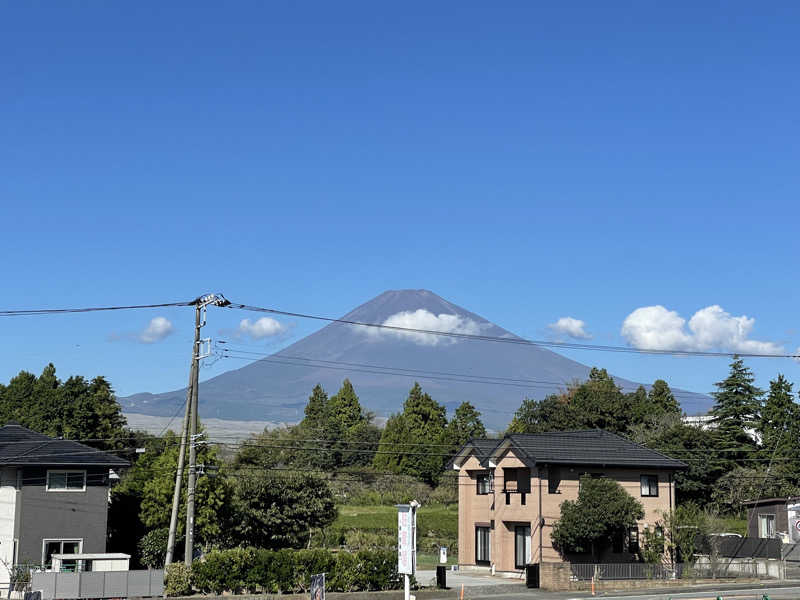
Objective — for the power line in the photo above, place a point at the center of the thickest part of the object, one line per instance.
(508, 340)
(58, 311)
(233, 352)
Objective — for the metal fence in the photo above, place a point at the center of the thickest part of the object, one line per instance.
(723, 569)
(98, 584)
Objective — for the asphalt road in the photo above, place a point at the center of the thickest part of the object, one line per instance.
(785, 593)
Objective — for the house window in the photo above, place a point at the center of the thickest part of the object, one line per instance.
(510, 480)
(553, 480)
(484, 483)
(50, 547)
(481, 545)
(66, 481)
(766, 526)
(649, 485)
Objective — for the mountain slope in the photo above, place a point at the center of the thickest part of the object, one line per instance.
(383, 365)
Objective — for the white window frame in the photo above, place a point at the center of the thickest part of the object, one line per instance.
(45, 541)
(47, 482)
(766, 519)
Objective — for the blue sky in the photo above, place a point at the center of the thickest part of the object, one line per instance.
(528, 162)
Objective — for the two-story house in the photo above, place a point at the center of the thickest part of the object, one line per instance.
(511, 490)
(53, 497)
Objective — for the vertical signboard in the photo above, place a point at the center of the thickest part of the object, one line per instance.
(406, 545)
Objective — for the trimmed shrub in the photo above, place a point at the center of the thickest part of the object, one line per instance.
(178, 580)
(286, 571)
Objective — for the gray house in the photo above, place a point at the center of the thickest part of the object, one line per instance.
(53, 497)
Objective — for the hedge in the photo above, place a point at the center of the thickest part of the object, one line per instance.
(254, 570)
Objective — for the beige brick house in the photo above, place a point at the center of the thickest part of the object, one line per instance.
(511, 490)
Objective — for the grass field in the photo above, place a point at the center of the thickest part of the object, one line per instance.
(434, 521)
(436, 526)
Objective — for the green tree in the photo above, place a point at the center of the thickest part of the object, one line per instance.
(668, 434)
(662, 399)
(465, 425)
(553, 413)
(749, 483)
(315, 411)
(603, 511)
(600, 404)
(157, 491)
(279, 510)
(412, 441)
(736, 411)
(75, 409)
(779, 427)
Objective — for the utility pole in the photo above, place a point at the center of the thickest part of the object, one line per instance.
(189, 433)
(200, 320)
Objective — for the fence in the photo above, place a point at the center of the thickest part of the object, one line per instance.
(98, 584)
(706, 570)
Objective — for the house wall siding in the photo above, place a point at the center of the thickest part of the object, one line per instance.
(62, 515)
(474, 508)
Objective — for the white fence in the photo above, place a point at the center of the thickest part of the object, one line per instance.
(98, 584)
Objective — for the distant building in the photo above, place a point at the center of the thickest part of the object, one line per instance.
(706, 422)
(53, 498)
(774, 518)
(511, 491)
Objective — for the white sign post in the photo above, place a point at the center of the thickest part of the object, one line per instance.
(407, 543)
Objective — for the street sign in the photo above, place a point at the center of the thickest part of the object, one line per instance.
(443, 554)
(406, 539)
(318, 587)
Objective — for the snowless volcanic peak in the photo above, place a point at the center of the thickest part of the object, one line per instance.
(383, 363)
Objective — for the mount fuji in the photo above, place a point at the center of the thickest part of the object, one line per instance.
(383, 365)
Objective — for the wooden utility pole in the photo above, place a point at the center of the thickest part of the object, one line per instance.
(176, 496)
(189, 434)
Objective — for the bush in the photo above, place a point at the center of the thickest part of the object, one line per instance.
(153, 548)
(223, 570)
(178, 580)
(311, 562)
(285, 571)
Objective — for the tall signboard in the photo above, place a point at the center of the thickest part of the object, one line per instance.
(407, 542)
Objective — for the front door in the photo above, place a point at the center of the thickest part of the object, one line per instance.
(522, 546)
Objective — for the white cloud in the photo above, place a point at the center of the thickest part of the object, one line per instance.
(574, 328)
(262, 328)
(156, 330)
(423, 319)
(710, 328)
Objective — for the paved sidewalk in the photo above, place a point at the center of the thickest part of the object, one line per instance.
(455, 579)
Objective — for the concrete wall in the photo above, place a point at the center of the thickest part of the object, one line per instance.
(507, 511)
(77, 515)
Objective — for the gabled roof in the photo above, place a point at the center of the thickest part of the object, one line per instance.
(21, 446)
(589, 447)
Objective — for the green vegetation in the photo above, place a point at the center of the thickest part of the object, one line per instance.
(602, 512)
(254, 570)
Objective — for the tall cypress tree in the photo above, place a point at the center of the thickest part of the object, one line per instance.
(421, 427)
(736, 411)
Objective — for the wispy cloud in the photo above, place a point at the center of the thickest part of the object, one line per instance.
(264, 327)
(710, 328)
(424, 319)
(570, 327)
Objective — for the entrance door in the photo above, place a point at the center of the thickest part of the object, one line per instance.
(522, 546)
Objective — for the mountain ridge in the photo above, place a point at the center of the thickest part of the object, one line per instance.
(383, 364)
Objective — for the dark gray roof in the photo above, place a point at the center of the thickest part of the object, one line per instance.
(21, 446)
(589, 447)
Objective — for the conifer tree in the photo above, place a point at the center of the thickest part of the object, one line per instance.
(465, 425)
(411, 443)
(662, 399)
(736, 411)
